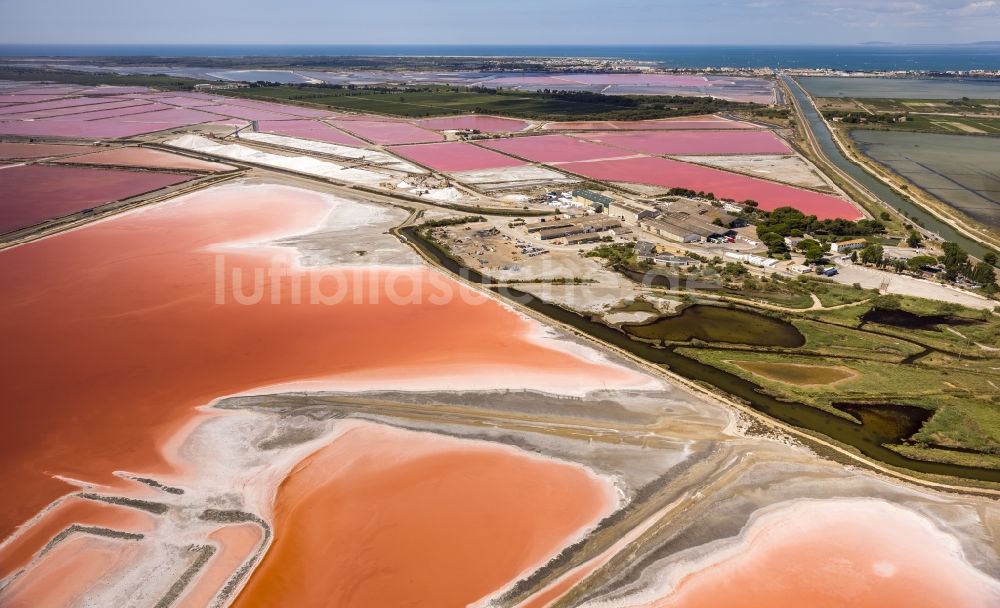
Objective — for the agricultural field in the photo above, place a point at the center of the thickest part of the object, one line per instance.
(946, 368)
(932, 118)
(902, 105)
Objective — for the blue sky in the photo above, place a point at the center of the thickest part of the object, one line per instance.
(497, 21)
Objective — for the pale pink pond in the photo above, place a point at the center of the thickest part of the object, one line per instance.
(238, 111)
(51, 105)
(16, 98)
(554, 148)
(856, 554)
(185, 102)
(388, 132)
(675, 174)
(455, 156)
(485, 124)
(694, 142)
(276, 107)
(662, 79)
(174, 115)
(16, 150)
(133, 156)
(49, 90)
(97, 129)
(113, 113)
(116, 90)
(693, 122)
(310, 129)
(80, 111)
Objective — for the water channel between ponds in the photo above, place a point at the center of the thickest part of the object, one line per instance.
(870, 440)
(876, 186)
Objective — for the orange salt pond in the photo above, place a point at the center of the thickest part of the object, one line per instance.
(146, 157)
(832, 554)
(68, 571)
(234, 545)
(389, 517)
(19, 551)
(119, 335)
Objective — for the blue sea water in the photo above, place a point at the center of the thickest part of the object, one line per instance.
(859, 57)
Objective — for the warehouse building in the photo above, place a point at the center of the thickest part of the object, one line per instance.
(681, 228)
(631, 212)
(581, 225)
(589, 198)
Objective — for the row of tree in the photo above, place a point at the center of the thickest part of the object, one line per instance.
(955, 260)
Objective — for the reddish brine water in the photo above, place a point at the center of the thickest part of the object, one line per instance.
(120, 332)
(389, 517)
(675, 174)
(30, 194)
(554, 149)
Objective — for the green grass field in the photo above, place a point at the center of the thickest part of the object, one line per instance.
(960, 382)
(958, 125)
(927, 115)
(426, 103)
(416, 102)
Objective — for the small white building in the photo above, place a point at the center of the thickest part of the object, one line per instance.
(753, 260)
(845, 246)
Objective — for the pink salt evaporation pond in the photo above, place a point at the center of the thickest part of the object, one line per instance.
(16, 98)
(456, 156)
(285, 109)
(675, 174)
(30, 194)
(76, 129)
(310, 129)
(188, 116)
(693, 122)
(82, 112)
(237, 111)
(146, 157)
(694, 142)
(485, 124)
(831, 554)
(52, 105)
(388, 132)
(18, 150)
(554, 149)
(111, 113)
